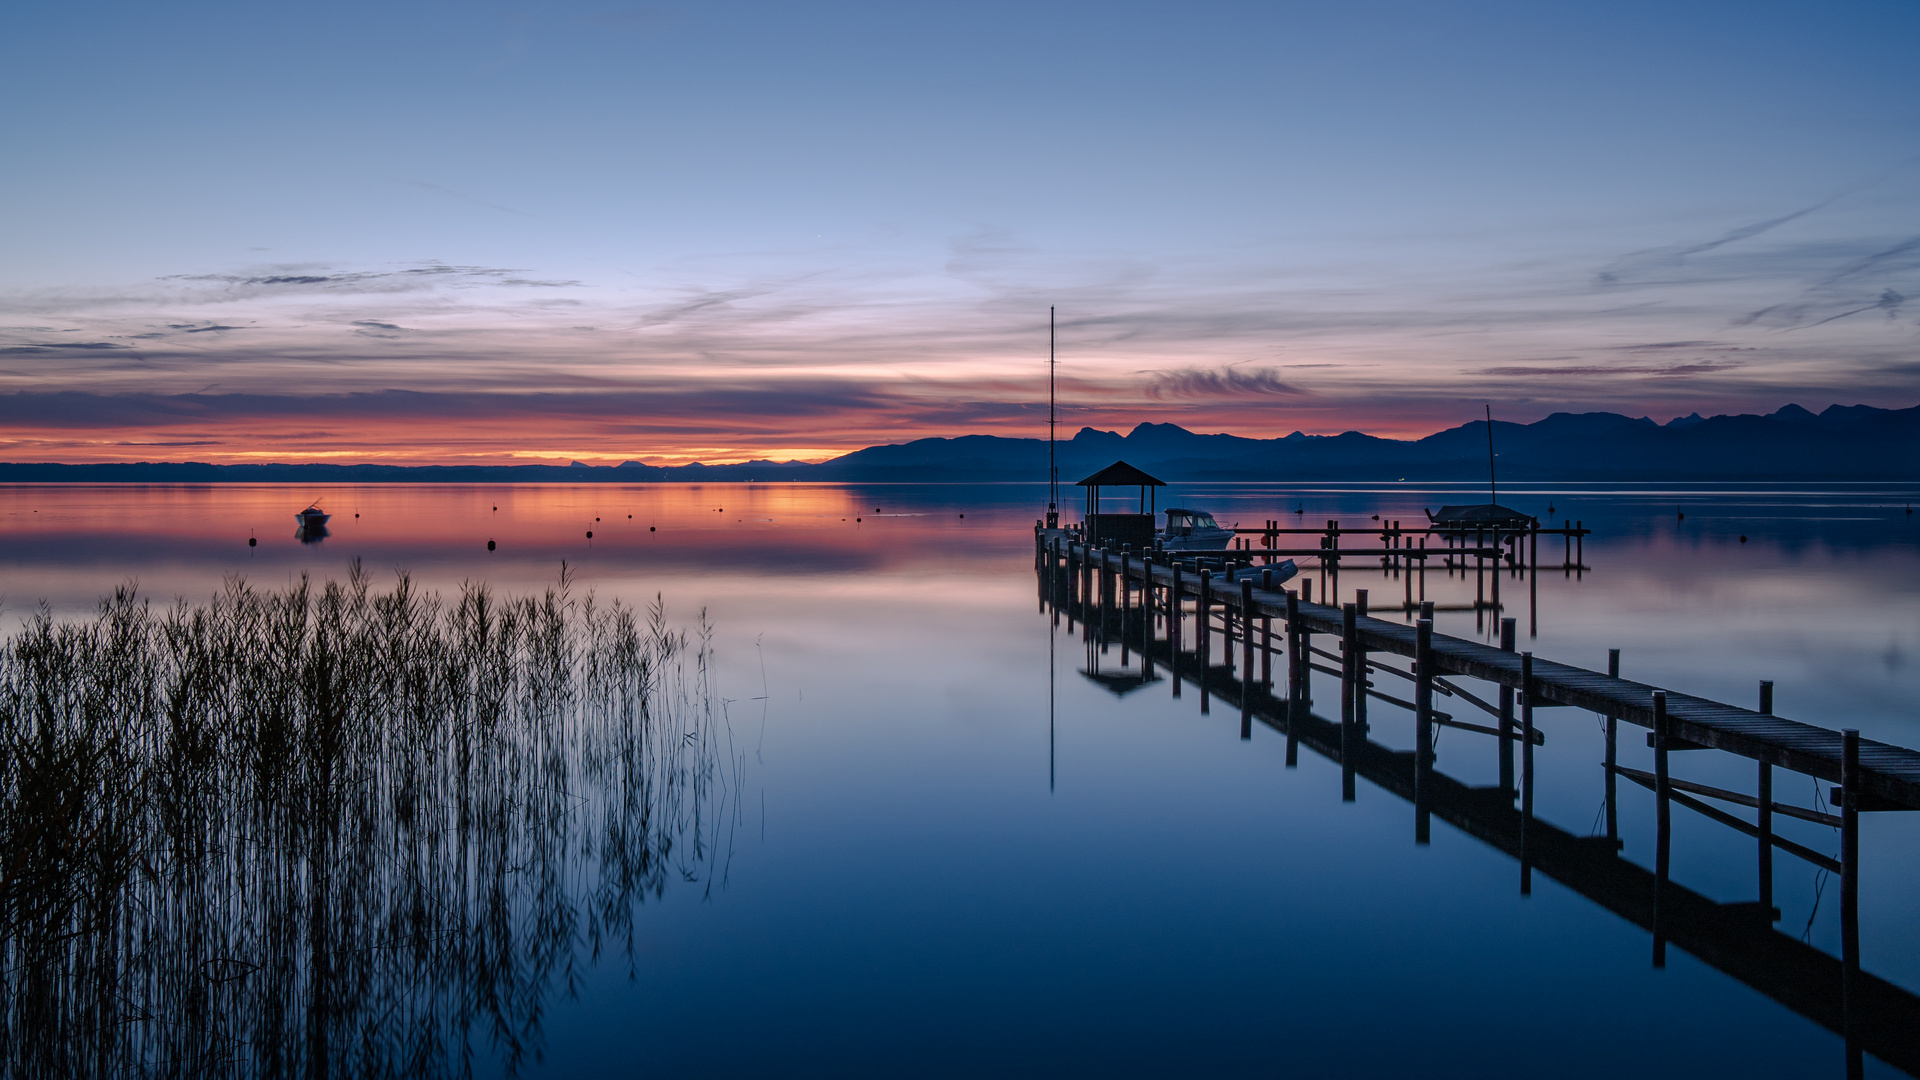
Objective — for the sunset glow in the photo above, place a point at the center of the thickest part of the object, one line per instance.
(682, 242)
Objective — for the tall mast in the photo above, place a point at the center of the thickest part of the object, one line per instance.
(1493, 485)
(1053, 471)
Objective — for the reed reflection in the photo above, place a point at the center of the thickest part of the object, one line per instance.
(331, 830)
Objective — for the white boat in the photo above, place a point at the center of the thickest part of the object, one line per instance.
(312, 517)
(1193, 530)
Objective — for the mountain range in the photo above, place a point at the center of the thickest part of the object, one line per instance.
(1856, 442)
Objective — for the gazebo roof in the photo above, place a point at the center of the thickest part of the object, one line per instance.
(1121, 474)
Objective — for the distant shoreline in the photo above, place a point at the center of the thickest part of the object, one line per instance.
(1843, 443)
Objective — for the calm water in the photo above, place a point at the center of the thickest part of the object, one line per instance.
(947, 852)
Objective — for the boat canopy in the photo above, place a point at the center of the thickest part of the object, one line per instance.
(1481, 516)
(1180, 520)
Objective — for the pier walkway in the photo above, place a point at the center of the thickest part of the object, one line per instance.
(1889, 775)
(1165, 612)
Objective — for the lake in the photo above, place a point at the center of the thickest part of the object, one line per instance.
(891, 827)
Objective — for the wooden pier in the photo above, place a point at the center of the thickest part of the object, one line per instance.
(1131, 598)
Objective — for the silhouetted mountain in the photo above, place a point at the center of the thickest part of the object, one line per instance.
(1856, 442)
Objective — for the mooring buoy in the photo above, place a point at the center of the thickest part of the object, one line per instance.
(489, 545)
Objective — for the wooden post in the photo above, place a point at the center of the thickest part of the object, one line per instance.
(1526, 773)
(1499, 571)
(1306, 653)
(1266, 635)
(1086, 593)
(1204, 627)
(1479, 581)
(1850, 897)
(1226, 616)
(1072, 583)
(1246, 656)
(1103, 590)
(1580, 546)
(1506, 716)
(1533, 595)
(1360, 668)
(1349, 651)
(1333, 531)
(1146, 615)
(1294, 654)
(1663, 824)
(1423, 732)
(1613, 742)
(1246, 631)
(1293, 645)
(1056, 561)
(1765, 799)
(1176, 614)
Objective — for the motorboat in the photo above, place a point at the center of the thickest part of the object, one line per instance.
(1285, 570)
(312, 517)
(1193, 530)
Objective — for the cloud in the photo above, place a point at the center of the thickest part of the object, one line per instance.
(1638, 263)
(1656, 346)
(44, 348)
(764, 350)
(1593, 371)
(1226, 382)
(1844, 291)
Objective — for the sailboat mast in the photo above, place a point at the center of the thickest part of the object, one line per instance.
(1053, 471)
(1493, 484)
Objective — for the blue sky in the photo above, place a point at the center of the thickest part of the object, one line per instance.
(446, 232)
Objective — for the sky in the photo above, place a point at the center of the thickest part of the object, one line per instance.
(494, 232)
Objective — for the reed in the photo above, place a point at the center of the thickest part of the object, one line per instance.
(334, 830)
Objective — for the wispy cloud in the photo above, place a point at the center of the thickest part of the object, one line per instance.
(840, 349)
(1591, 371)
(1198, 384)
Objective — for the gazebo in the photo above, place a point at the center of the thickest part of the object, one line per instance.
(1136, 528)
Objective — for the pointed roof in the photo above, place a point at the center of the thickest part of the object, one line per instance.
(1121, 474)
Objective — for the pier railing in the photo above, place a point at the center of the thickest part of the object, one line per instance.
(1144, 600)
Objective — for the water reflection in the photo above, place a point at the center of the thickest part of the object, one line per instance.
(311, 534)
(1873, 1015)
(333, 830)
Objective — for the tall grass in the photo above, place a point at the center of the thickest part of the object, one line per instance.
(335, 831)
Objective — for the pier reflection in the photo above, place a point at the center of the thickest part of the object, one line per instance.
(334, 830)
(1176, 623)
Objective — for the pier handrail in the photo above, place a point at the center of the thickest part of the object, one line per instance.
(1890, 775)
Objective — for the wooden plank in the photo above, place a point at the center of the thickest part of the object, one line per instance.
(1890, 775)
